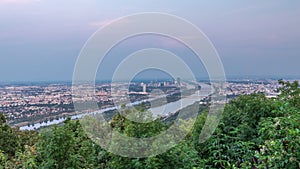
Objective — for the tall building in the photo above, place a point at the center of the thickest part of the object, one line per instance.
(144, 88)
(178, 81)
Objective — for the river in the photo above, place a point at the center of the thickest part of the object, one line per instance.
(159, 111)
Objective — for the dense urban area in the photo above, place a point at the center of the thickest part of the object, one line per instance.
(36, 102)
(33, 102)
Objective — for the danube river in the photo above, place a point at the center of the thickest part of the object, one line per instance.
(159, 111)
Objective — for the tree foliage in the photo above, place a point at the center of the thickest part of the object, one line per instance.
(256, 132)
(66, 147)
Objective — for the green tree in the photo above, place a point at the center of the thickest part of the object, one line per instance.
(9, 141)
(66, 146)
(182, 155)
(280, 134)
(256, 132)
(290, 92)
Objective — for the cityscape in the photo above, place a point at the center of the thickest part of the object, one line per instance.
(28, 103)
(160, 84)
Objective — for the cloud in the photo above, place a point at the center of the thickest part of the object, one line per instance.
(103, 23)
(100, 23)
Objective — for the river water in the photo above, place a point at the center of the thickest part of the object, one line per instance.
(159, 111)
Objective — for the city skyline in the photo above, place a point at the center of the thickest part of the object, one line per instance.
(41, 39)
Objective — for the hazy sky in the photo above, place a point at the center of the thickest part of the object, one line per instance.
(41, 39)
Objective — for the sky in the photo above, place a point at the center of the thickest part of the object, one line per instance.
(40, 40)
